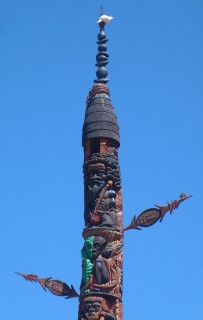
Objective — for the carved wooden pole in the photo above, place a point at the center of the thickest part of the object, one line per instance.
(102, 254)
(100, 294)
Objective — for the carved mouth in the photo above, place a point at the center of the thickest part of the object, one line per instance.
(95, 182)
(94, 255)
(92, 316)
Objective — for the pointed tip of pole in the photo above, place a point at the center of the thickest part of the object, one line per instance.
(103, 18)
(101, 11)
(102, 55)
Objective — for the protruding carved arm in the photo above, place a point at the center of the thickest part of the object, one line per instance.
(96, 215)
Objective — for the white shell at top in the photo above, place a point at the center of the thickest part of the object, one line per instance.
(104, 18)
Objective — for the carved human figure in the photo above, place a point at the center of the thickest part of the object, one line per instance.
(102, 182)
(102, 266)
(95, 179)
(94, 267)
(100, 271)
(95, 308)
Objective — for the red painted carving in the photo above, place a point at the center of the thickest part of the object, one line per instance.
(119, 310)
(108, 234)
(96, 89)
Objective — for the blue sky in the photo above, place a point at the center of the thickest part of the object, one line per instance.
(47, 60)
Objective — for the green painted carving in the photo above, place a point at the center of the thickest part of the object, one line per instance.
(87, 259)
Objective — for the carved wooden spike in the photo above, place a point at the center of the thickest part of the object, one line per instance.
(172, 205)
(60, 288)
(132, 225)
(34, 278)
(56, 287)
(150, 216)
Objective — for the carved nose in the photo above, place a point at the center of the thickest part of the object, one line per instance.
(91, 309)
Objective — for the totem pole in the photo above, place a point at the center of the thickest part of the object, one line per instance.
(100, 294)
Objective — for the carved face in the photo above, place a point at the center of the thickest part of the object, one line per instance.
(92, 310)
(98, 246)
(87, 248)
(96, 175)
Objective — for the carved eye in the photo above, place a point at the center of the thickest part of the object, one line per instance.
(87, 307)
(96, 308)
(96, 245)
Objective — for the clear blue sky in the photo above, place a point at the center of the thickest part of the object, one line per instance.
(47, 60)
